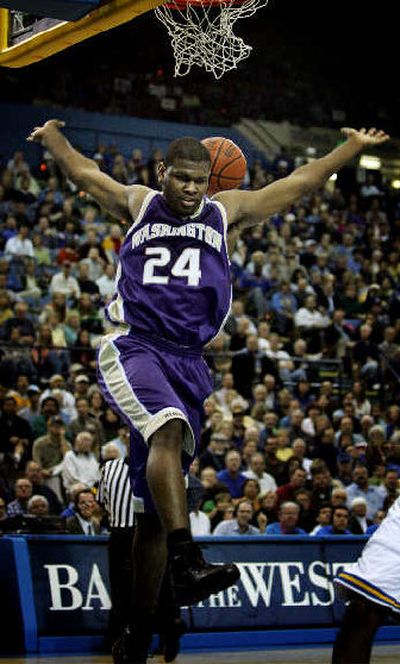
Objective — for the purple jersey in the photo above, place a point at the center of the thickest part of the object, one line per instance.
(173, 277)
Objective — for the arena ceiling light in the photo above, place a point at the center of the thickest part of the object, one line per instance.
(370, 163)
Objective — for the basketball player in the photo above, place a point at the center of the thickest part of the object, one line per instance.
(372, 589)
(173, 296)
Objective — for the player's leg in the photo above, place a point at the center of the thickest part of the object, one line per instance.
(149, 560)
(169, 623)
(354, 640)
(192, 578)
(165, 478)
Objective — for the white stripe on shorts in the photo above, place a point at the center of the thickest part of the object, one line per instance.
(118, 386)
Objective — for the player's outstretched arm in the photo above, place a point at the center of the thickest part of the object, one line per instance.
(84, 172)
(246, 208)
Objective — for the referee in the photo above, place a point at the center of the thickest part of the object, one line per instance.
(116, 497)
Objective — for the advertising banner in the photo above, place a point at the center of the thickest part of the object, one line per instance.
(284, 583)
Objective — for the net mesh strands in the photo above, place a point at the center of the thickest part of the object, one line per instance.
(201, 33)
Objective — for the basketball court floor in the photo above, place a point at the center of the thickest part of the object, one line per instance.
(382, 654)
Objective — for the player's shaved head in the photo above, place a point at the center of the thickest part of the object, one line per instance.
(187, 148)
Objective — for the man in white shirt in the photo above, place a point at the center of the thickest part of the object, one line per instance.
(80, 464)
(64, 282)
(106, 283)
(257, 472)
(20, 245)
(309, 316)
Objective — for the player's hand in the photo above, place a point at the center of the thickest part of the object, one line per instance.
(39, 133)
(364, 136)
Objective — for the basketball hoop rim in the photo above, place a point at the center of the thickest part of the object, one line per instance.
(183, 4)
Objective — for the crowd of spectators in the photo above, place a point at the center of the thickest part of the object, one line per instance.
(302, 430)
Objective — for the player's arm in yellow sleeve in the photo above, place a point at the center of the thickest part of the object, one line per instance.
(246, 208)
(116, 198)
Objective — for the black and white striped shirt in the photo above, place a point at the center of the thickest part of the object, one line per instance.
(115, 493)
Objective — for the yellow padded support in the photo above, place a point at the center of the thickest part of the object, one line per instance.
(4, 22)
(67, 33)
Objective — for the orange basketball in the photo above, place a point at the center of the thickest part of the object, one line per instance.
(228, 164)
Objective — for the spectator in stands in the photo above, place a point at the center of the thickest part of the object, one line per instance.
(284, 450)
(250, 366)
(110, 422)
(240, 525)
(251, 491)
(324, 517)
(34, 474)
(390, 486)
(199, 521)
(65, 399)
(303, 497)
(340, 522)
(238, 426)
(286, 492)
(96, 403)
(257, 472)
(106, 282)
(64, 282)
(366, 357)
(121, 442)
(321, 482)
(20, 245)
(231, 475)
(81, 385)
(338, 497)
(299, 449)
(284, 304)
(288, 516)
(49, 451)
(86, 284)
(16, 435)
(358, 522)
(19, 328)
(219, 509)
(249, 448)
(86, 422)
(80, 464)
(23, 492)
(344, 468)
(360, 488)
(83, 522)
(214, 456)
(274, 467)
(38, 506)
(5, 307)
(32, 408)
(309, 322)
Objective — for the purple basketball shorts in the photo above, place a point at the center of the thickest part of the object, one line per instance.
(150, 381)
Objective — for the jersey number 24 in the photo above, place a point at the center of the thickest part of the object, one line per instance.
(187, 265)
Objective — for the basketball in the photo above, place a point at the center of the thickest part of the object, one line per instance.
(228, 164)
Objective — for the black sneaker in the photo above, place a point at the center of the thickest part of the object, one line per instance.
(131, 647)
(193, 579)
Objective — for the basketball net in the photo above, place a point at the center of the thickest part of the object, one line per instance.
(201, 33)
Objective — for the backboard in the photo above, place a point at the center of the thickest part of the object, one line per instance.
(26, 38)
